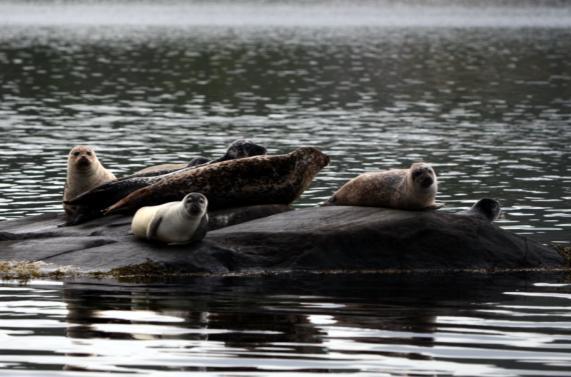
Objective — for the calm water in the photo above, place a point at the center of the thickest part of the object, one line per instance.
(373, 325)
(483, 94)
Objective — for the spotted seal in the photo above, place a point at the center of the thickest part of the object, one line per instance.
(411, 189)
(84, 172)
(247, 181)
(178, 222)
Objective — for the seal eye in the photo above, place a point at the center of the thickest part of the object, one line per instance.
(89, 153)
(416, 174)
(76, 154)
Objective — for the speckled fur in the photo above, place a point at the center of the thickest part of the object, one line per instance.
(249, 181)
(394, 188)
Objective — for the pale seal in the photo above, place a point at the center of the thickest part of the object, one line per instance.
(178, 222)
(243, 182)
(84, 172)
(486, 208)
(411, 189)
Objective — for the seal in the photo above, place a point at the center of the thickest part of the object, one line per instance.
(237, 149)
(169, 168)
(84, 172)
(243, 182)
(486, 208)
(175, 222)
(92, 202)
(411, 189)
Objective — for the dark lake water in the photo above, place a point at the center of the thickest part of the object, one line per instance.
(307, 325)
(484, 94)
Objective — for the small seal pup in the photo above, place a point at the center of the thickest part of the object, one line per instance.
(486, 208)
(84, 172)
(175, 223)
(412, 189)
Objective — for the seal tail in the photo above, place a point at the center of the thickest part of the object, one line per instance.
(328, 202)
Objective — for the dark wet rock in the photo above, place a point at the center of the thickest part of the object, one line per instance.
(356, 239)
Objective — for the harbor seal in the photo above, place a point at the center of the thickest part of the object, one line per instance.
(84, 172)
(168, 168)
(247, 181)
(178, 222)
(237, 149)
(90, 204)
(411, 189)
(486, 208)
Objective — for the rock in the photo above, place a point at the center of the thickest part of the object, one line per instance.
(326, 239)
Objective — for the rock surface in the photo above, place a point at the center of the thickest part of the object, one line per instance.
(329, 239)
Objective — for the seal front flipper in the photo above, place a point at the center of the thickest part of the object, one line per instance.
(202, 229)
(436, 206)
(153, 227)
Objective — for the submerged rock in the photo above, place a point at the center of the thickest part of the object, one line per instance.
(326, 239)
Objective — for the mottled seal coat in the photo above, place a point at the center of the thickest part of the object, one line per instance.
(248, 181)
(84, 172)
(178, 222)
(90, 204)
(486, 208)
(412, 189)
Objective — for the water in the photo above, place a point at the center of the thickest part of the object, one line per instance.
(483, 93)
(486, 325)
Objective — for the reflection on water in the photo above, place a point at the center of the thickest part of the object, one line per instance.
(463, 324)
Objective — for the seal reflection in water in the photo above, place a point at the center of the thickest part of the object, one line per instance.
(412, 189)
(84, 172)
(174, 222)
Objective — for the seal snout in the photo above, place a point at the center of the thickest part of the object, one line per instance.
(195, 207)
(426, 181)
(83, 161)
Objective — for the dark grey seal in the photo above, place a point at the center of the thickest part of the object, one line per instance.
(486, 208)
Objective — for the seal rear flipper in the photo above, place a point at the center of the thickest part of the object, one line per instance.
(108, 193)
(81, 215)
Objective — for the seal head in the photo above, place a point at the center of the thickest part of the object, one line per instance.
(423, 178)
(195, 204)
(486, 208)
(84, 172)
(241, 148)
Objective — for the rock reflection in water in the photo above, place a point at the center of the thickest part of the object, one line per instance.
(257, 318)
